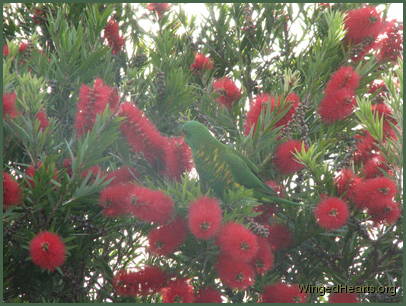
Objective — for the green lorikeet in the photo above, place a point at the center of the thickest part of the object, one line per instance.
(220, 167)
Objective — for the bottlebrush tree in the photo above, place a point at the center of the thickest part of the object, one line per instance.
(101, 198)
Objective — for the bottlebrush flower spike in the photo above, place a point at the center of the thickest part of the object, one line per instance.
(234, 273)
(22, 47)
(266, 212)
(344, 77)
(177, 158)
(285, 160)
(125, 283)
(9, 105)
(167, 238)
(43, 120)
(141, 134)
(343, 298)
(111, 33)
(229, 92)
(151, 205)
(331, 213)
(122, 175)
(151, 279)
(147, 281)
(259, 105)
(365, 145)
(280, 237)
(387, 212)
(12, 194)
(345, 183)
(93, 101)
(115, 200)
(47, 250)
(376, 166)
(201, 62)
(159, 8)
(363, 23)
(178, 291)
(208, 295)
(371, 193)
(391, 45)
(204, 218)
(264, 259)
(6, 50)
(238, 242)
(283, 293)
(337, 105)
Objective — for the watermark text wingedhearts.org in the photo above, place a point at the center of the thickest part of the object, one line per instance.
(322, 290)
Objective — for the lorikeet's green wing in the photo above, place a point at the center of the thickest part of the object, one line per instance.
(243, 174)
(213, 171)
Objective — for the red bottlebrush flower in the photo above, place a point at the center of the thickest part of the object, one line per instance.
(47, 250)
(201, 62)
(278, 188)
(343, 298)
(238, 242)
(370, 193)
(344, 77)
(255, 111)
(67, 164)
(391, 45)
(208, 295)
(93, 101)
(23, 47)
(285, 160)
(377, 87)
(178, 158)
(229, 92)
(384, 111)
(159, 8)
(259, 105)
(345, 183)
(264, 259)
(116, 200)
(9, 105)
(151, 205)
(331, 213)
(151, 279)
(387, 212)
(234, 273)
(126, 283)
(283, 293)
(94, 171)
(279, 237)
(111, 33)
(167, 238)
(141, 134)
(267, 211)
(38, 16)
(144, 282)
(374, 167)
(122, 175)
(12, 194)
(378, 90)
(365, 146)
(337, 105)
(178, 291)
(43, 120)
(204, 218)
(6, 50)
(363, 23)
